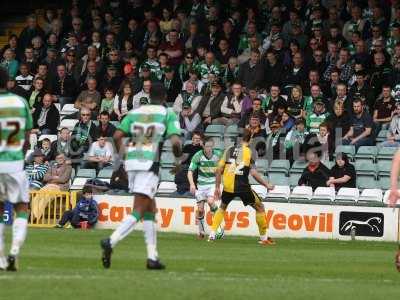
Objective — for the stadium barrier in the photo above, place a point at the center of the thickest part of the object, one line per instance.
(294, 220)
(47, 207)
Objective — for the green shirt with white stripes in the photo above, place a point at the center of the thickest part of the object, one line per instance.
(206, 166)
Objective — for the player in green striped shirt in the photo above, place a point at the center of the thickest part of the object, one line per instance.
(205, 162)
(15, 125)
(147, 127)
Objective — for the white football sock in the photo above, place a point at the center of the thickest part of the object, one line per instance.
(150, 236)
(2, 227)
(123, 230)
(201, 225)
(19, 230)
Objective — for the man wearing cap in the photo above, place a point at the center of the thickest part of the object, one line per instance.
(318, 116)
(36, 170)
(171, 83)
(210, 104)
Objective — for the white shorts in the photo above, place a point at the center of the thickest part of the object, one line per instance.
(14, 187)
(143, 182)
(204, 192)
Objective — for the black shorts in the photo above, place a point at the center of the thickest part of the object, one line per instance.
(248, 197)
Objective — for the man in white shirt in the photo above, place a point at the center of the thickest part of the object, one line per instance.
(144, 93)
(100, 154)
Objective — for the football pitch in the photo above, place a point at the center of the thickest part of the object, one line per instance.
(65, 264)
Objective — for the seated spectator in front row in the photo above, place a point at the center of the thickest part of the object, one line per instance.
(189, 121)
(316, 174)
(295, 139)
(100, 154)
(384, 108)
(393, 136)
(326, 142)
(86, 210)
(360, 133)
(36, 170)
(343, 173)
(46, 116)
(63, 143)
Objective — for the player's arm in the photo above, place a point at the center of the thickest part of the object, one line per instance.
(260, 179)
(118, 139)
(394, 175)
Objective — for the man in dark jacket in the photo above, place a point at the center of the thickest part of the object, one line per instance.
(85, 212)
(210, 105)
(251, 73)
(105, 128)
(172, 84)
(316, 173)
(46, 116)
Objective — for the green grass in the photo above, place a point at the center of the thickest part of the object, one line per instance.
(65, 264)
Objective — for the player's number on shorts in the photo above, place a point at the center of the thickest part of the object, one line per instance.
(11, 140)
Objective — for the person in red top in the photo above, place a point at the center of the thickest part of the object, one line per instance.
(173, 47)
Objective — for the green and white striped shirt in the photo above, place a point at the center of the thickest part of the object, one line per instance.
(147, 126)
(15, 120)
(206, 166)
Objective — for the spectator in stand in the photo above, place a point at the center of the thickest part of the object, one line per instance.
(360, 133)
(210, 105)
(58, 175)
(107, 103)
(105, 128)
(251, 72)
(143, 96)
(173, 48)
(287, 121)
(83, 134)
(123, 101)
(46, 117)
(36, 170)
(274, 70)
(339, 121)
(63, 143)
(271, 102)
(361, 89)
(100, 155)
(24, 79)
(85, 213)
(232, 106)
(295, 139)
(190, 96)
(318, 116)
(258, 134)
(89, 98)
(275, 140)
(295, 102)
(393, 135)
(316, 174)
(172, 84)
(255, 109)
(343, 173)
(9, 63)
(189, 121)
(30, 31)
(64, 86)
(384, 108)
(325, 141)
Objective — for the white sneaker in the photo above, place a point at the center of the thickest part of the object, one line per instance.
(211, 238)
(3, 263)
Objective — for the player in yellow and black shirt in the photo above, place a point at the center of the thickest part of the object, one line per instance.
(235, 167)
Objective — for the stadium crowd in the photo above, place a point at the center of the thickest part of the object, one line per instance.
(290, 71)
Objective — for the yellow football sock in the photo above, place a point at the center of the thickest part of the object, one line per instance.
(217, 219)
(261, 222)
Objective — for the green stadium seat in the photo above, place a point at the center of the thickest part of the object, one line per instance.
(384, 167)
(167, 160)
(384, 182)
(231, 131)
(365, 168)
(382, 136)
(366, 153)
(166, 176)
(350, 150)
(294, 179)
(298, 166)
(386, 153)
(215, 131)
(279, 166)
(86, 173)
(261, 165)
(366, 182)
(105, 173)
(278, 179)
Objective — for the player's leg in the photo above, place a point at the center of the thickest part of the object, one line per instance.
(17, 193)
(150, 236)
(3, 260)
(226, 198)
(200, 218)
(261, 220)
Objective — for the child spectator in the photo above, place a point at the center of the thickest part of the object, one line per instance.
(86, 210)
